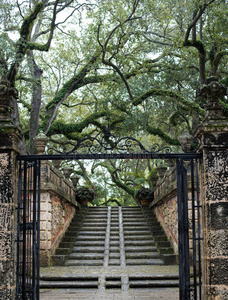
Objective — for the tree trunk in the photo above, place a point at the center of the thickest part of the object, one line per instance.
(35, 107)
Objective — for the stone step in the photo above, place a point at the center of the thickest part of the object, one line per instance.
(114, 233)
(96, 216)
(137, 237)
(138, 262)
(89, 243)
(90, 238)
(138, 228)
(141, 255)
(127, 223)
(114, 262)
(68, 284)
(101, 230)
(137, 215)
(94, 227)
(87, 249)
(136, 232)
(114, 243)
(114, 238)
(84, 256)
(91, 233)
(82, 262)
(153, 283)
(114, 255)
(134, 220)
(140, 249)
(140, 243)
(113, 284)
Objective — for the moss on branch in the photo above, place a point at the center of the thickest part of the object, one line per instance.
(171, 94)
(162, 135)
(60, 127)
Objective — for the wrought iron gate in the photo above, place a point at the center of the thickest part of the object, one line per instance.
(28, 230)
(189, 219)
(189, 229)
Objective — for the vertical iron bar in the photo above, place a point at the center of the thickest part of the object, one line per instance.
(34, 232)
(24, 233)
(183, 234)
(18, 230)
(193, 229)
(186, 232)
(180, 229)
(199, 232)
(38, 232)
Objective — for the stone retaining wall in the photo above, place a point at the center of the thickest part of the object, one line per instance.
(58, 207)
(165, 206)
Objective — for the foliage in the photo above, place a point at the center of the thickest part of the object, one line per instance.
(144, 193)
(85, 193)
(140, 63)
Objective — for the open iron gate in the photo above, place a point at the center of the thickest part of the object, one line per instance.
(189, 220)
(28, 230)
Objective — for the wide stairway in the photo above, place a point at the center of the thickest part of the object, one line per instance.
(112, 248)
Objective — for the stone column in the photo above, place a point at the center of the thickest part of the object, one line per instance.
(10, 141)
(213, 134)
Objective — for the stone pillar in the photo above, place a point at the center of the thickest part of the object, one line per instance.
(213, 135)
(10, 141)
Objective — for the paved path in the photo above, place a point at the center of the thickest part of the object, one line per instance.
(96, 270)
(71, 294)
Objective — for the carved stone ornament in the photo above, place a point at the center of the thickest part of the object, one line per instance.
(41, 141)
(213, 92)
(7, 94)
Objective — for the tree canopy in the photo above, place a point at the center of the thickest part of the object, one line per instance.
(141, 63)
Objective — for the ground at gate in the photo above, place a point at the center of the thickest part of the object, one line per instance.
(71, 294)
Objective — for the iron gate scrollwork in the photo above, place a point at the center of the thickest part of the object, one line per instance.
(28, 230)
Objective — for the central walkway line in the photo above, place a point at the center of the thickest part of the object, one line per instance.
(107, 238)
(122, 250)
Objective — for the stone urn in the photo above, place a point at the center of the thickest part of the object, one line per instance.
(145, 196)
(161, 171)
(85, 195)
(186, 141)
(154, 179)
(56, 163)
(67, 171)
(75, 178)
(41, 142)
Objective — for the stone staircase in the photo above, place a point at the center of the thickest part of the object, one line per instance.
(104, 247)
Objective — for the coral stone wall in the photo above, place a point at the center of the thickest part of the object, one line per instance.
(165, 206)
(58, 207)
(166, 209)
(166, 213)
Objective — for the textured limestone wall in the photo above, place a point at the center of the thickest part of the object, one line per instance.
(215, 218)
(7, 226)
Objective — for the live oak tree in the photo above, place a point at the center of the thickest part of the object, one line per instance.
(141, 63)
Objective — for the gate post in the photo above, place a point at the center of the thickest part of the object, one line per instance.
(213, 135)
(10, 141)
